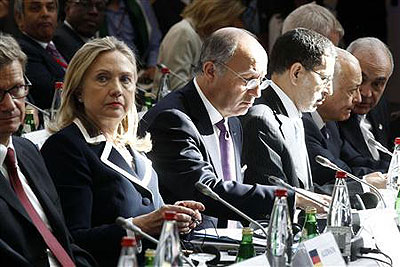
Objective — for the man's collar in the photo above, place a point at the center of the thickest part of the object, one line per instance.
(290, 107)
(84, 39)
(317, 119)
(3, 151)
(213, 113)
(42, 44)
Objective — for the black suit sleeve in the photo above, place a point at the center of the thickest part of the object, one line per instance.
(72, 175)
(341, 154)
(264, 151)
(181, 159)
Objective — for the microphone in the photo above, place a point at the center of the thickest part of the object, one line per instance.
(379, 146)
(327, 163)
(278, 181)
(205, 190)
(160, 66)
(45, 113)
(127, 224)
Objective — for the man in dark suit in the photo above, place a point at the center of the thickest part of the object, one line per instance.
(82, 20)
(322, 133)
(302, 66)
(370, 117)
(38, 20)
(191, 145)
(33, 232)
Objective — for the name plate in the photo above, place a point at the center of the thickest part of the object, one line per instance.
(343, 238)
(319, 251)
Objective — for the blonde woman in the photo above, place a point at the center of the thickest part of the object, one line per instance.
(95, 159)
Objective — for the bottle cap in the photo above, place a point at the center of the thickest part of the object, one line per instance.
(128, 241)
(165, 70)
(281, 192)
(169, 215)
(397, 141)
(150, 253)
(340, 174)
(247, 231)
(58, 85)
(311, 210)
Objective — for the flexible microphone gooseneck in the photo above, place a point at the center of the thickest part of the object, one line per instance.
(205, 190)
(278, 181)
(160, 66)
(379, 146)
(127, 224)
(327, 163)
(45, 113)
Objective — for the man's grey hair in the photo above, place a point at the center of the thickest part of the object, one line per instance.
(313, 17)
(10, 51)
(371, 43)
(19, 6)
(219, 47)
(343, 58)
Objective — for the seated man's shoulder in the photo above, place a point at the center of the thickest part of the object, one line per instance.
(261, 115)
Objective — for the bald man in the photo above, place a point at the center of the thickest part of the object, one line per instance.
(322, 133)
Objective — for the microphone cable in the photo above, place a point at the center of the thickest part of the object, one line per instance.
(375, 251)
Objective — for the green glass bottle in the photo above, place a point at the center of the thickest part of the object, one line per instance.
(29, 121)
(310, 228)
(397, 207)
(246, 249)
(149, 255)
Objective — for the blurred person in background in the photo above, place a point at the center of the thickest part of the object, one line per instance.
(82, 21)
(317, 18)
(134, 22)
(180, 48)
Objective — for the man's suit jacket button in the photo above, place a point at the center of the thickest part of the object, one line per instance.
(146, 201)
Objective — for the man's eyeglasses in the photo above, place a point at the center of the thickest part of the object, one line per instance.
(252, 83)
(324, 78)
(18, 91)
(88, 5)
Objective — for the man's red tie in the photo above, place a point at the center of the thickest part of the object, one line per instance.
(58, 251)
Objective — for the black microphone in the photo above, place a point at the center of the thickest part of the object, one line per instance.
(128, 225)
(327, 163)
(205, 190)
(379, 146)
(278, 181)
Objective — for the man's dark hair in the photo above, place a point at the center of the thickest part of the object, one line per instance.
(299, 45)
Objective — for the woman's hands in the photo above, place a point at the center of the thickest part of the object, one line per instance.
(187, 217)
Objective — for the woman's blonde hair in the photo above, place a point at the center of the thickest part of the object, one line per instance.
(208, 16)
(72, 108)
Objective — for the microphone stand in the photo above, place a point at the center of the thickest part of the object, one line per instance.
(277, 181)
(127, 224)
(379, 146)
(160, 66)
(327, 163)
(205, 190)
